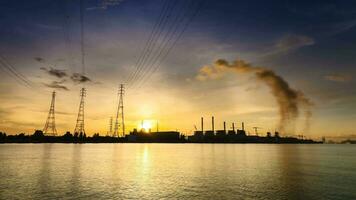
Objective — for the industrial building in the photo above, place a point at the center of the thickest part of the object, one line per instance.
(159, 136)
(234, 135)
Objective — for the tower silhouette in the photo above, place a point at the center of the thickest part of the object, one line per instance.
(50, 126)
(109, 133)
(79, 127)
(119, 129)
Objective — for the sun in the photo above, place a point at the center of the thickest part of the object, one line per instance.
(146, 125)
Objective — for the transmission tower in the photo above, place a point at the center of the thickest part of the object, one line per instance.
(79, 127)
(110, 127)
(50, 126)
(119, 129)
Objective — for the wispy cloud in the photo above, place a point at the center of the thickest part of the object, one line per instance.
(338, 78)
(48, 27)
(39, 59)
(286, 44)
(55, 72)
(292, 42)
(56, 85)
(76, 78)
(104, 4)
(80, 78)
(4, 113)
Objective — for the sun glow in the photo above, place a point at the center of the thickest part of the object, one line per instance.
(146, 125)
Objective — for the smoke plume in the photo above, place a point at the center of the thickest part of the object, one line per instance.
(289, 100)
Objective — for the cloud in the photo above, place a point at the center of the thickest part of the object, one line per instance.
(338, 78)
(288, 99)
(63, 113)
(55, 72)
(39, 59)
(61, 74)
(56, 85)
(4, 113)
(104, 4)
(292, 42)
(287, 43)
(48, 27)
(80, 78)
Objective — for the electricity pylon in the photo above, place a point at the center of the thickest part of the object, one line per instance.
(79, 127)
(50, 126)
(109, 133)
(119, 129)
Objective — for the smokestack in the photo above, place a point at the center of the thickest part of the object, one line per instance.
(243, 126)
(212, 123)
(202, 124)
(233, 126)
(225, 127)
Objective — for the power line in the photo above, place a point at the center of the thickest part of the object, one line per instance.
(164, 51)
(82, 35)
(180, 34)
(151, 42)
(79, 127)
(67, 33)
(169, 36)
(11, 70)
(161, 45)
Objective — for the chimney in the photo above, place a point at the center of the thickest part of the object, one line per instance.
(202, 124)
(233, 126)
(225, 127)
(212, 123)
(243, 126)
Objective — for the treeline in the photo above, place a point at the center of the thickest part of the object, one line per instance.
(153, 137)
(39, 137)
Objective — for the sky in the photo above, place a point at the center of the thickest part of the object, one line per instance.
(309, 45)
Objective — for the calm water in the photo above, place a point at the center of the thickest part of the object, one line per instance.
(177, 171)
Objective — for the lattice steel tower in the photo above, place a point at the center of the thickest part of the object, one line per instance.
(119, 129)
(109, 133)
(79, 127)
(50, 126)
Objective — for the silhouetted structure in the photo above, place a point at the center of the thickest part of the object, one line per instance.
(158, 137)
(50, 126)
(239, 136)
(79, 127)
(119, 129)
(109, 133)
(142, 136)
(154, 137)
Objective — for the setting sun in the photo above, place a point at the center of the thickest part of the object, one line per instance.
(146, 125)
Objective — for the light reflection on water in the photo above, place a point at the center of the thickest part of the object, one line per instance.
(177, 171)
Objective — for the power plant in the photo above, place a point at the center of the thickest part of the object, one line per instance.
(234, 135)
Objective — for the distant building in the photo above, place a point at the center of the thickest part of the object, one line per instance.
(161, 136)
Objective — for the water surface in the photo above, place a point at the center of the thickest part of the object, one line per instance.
(177, 171)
